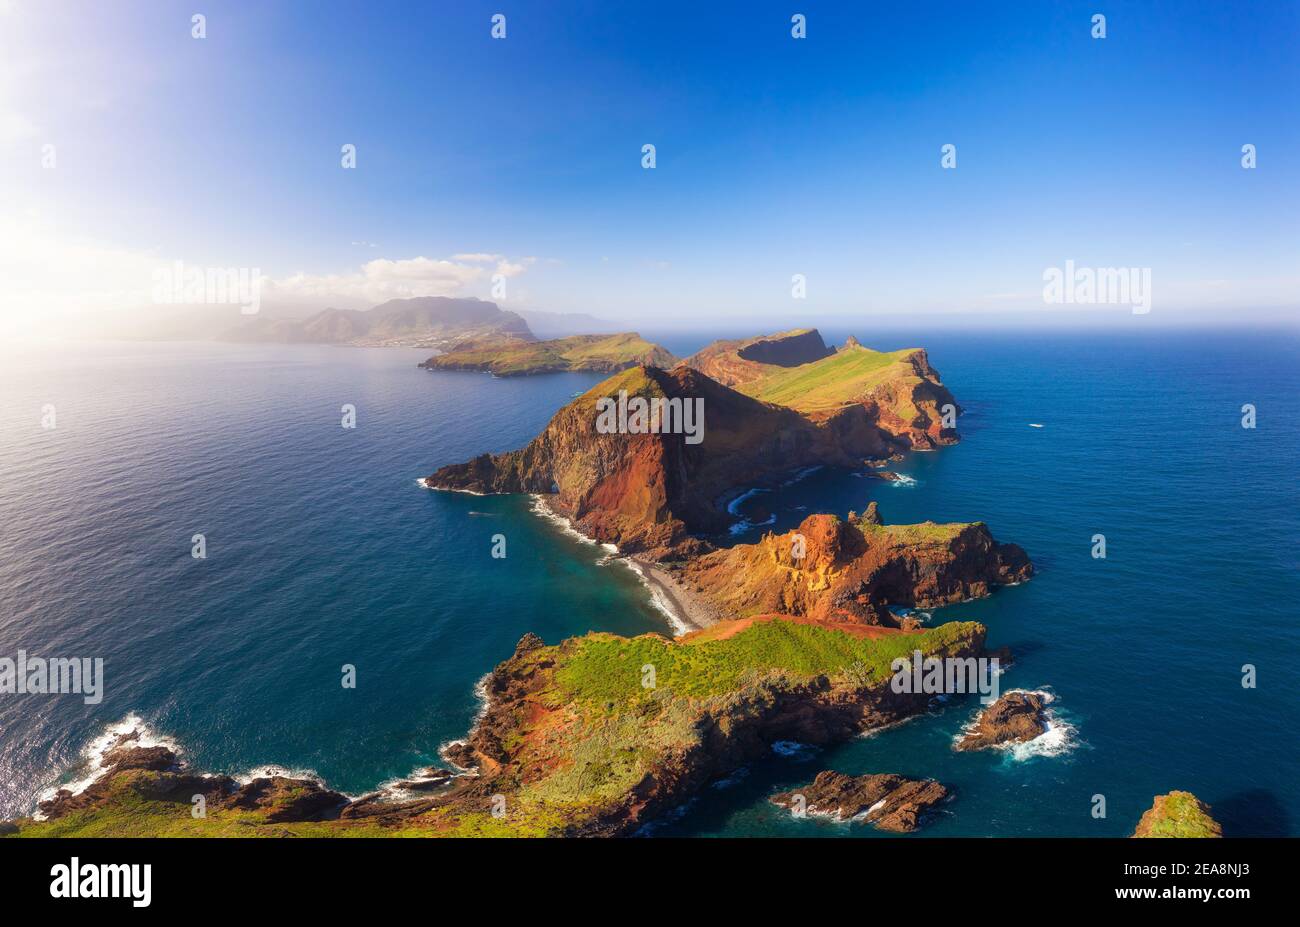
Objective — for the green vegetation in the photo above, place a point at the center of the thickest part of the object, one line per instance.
(926, 532)
(583, 741)
(1179, 814)
(835, 381)
(135, 811)
(602, 668)
(512, 357)
(616, 732)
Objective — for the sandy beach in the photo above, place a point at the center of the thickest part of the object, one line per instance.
(691, 611)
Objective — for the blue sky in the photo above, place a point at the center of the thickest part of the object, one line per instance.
(775, 156)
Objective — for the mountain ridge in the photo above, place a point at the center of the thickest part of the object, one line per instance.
(420, 321)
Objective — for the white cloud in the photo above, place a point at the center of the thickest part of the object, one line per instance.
(379, 280)
(508, 268)
(383, 279)
(49, 279)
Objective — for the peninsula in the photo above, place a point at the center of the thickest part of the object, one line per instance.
(603, 735)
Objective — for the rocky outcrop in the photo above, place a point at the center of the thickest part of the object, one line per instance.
(900, 393)
(851, 570)
(282, 798)
(156, 773)
(1016, 717)
(429, 779)
(888, 801)
(734, 363)
(1178, 814)
(911, 403)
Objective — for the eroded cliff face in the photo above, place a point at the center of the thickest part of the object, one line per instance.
(834, 569)
(900, 392)
(911, 404)
(648, 493)
(735, 363)
(771, 405)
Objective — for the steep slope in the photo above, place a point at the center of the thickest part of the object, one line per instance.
(900, 391)
(852, 570)
(735, 363)
(648, 492)
(513, 357)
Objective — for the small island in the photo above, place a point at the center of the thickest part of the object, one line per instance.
(1015, 718)
(888, 801)
(1178, 814)
(512, 357)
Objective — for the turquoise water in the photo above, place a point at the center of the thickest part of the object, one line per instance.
(323, 551)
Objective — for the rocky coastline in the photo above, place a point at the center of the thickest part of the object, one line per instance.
(534, 764)
(791, 638)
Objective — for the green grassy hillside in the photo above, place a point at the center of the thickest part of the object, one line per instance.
(600, 353)
(832, 382)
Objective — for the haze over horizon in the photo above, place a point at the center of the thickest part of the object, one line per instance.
(517, 162)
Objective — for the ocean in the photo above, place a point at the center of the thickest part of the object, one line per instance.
(323, 552)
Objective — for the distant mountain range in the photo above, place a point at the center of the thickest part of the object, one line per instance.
(564, 324)
(422, 321)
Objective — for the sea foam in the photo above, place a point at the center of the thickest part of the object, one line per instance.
(92, 755)
(1059, 738)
